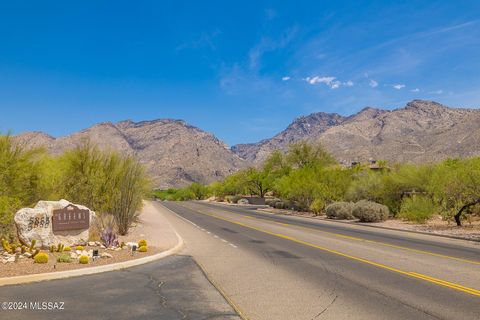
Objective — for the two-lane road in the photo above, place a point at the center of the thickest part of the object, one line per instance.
(278, 267)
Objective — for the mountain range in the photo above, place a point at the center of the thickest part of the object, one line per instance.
(177, 154)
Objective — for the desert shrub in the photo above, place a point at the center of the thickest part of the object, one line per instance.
(279, 205)
(367, 211)
(142, 243)
(83, 259)
(233, 199)
(390, 186)
(67, 248)
(340, 210)
(417, 209)
(64, 258)
(317, 206)
(41, 258)
(142, 249)
(80, 248)
(271, 202)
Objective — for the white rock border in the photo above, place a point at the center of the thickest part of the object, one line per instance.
(92, 270)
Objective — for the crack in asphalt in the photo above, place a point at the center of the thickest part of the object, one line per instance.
(155, 285)
(332, 293)
(328, 306)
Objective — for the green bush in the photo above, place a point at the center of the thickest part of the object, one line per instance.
(317, 206)
(83, 259)
(340, 210)
(41, 258)
(142, 249)
(64, 258)
(142, 243)
(80, 248)
(417, 209)
(233, 199)
(20, 181)
(367, 211)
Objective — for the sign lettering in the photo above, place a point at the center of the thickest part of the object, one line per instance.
(70, 218)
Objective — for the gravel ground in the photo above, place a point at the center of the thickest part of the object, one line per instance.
(26, 266)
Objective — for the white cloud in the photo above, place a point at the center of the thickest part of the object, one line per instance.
(286, 78)
(317, 79)
(399, 86)
(330, 82)
(373, 83)
(335, 84)
(415, 90)
(436, 92)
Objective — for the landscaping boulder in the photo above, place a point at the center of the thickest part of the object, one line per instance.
(36, 223)
(243, 201)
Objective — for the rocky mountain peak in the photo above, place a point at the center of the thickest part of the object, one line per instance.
(174, 152)
(366, 113)
(425, 105)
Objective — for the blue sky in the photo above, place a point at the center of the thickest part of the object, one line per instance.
(239, 69)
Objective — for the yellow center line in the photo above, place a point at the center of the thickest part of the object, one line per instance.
(420, 276)
(363, 240)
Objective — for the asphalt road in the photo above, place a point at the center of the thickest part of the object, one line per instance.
(278, 267)
(169, 289)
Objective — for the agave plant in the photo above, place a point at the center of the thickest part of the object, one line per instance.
(109, 237)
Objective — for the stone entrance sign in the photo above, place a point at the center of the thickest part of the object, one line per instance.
(70, 218)
(54, 222)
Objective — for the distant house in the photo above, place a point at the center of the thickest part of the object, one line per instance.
(372, 164)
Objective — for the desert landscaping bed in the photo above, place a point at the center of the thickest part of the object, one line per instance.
(102, 248)
(27, 266)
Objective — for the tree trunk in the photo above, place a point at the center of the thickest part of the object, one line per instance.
(459, 213)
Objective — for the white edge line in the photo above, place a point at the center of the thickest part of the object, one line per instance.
(94, 270)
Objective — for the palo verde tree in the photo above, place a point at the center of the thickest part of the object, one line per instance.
(129, 188)
(106, 182)
(199, 191)
(303, 154)
(455, 185)
(19, 180)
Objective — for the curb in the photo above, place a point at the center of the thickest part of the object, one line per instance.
(93, 270)
(361, 225)
(380, 227)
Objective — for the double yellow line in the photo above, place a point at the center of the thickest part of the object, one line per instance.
(423, 277)
(363, 240)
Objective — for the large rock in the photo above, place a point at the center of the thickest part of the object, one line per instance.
(36, 223)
